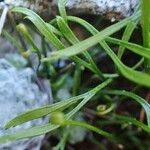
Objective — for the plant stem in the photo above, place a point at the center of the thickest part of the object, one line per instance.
(145, 20)
(90, 127)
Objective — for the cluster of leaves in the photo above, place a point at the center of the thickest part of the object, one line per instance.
(77, 52)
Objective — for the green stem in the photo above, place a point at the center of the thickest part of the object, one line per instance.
(77, 80)
(90, 127)
(145, 20)
(63, 140)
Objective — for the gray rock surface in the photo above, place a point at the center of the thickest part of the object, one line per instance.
(109, 8)
(19, 93)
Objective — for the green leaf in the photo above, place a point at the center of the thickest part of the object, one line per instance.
(42, 111)
(54, 30)
(88, 96)
(28, 133)
(130, 120)
(140, 50)
(41, 26)
(84, 45)
(145, 23)
(14, 41)
(39, 130)
(70, 36)
(22, 28)
(129, 73)
(135, 97)
(126, 36)
(66, 31)
(48, 31)
(62, 10)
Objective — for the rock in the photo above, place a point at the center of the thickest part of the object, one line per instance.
(19, 93)
(6, 47)
(110, 8)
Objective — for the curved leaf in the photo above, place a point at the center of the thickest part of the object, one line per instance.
(42, 111)
(41, 25)
(28, 133)
(140, 50)
(82, 46)
(135, 97)
(133, 121)
(129, 73)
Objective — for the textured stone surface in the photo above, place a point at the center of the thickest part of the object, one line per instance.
(19, 93)
(109, 8)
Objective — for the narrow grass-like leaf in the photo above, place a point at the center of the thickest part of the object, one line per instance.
(62, 10)
(135, 97)
(136, 76)
(70, 36)
(43, 129)
(28, 133)
(76, 80)
(47, 30)
(133, 75)
(39, 130)
(40, 112)
(43, 111)
(88, 97)
(14, 41)
(22, 28)
(145, 22)
(130, 120)
(145, 52)
(138, 64)
(66, 31)
(40, 24)
(54, 30)
(82, 46)
(126, 36)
